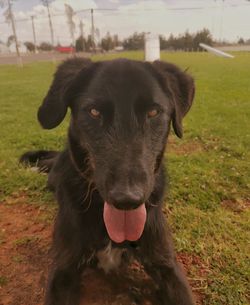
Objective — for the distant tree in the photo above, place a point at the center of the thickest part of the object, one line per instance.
(188, 41)
(178, 43)
(90, 44)
(134, 42)
(163, 43)
(80, 44)
(241, 41)
(10, 40)
(116, 41)
(107, 42)
(30, 46)
(45, 46)
(172, 41)
(203, 36)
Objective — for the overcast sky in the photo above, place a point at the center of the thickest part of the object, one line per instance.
(228, 19)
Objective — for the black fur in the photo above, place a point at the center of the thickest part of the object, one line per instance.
(43, 159)
(116, 157)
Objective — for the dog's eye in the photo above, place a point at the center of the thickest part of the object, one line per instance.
(94, 113)
(152, 113)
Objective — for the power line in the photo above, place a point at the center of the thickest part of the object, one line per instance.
(134, 10)
(106, 12)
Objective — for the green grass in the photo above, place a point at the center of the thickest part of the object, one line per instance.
(201, 179)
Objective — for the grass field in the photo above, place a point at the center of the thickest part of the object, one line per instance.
(209, 196)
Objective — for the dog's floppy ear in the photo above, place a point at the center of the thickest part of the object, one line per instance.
(54, 106)
(181, 87)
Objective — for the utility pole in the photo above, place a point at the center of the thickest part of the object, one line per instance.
(82, 35)
(14, 33)
(46, 3)
(92, 30)
(81, 28)
(34, 33)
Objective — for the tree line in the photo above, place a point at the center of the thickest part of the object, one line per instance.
(186, 42)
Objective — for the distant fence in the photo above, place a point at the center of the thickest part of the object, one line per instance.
(235, 48)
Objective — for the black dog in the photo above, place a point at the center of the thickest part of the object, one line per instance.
(109, 181)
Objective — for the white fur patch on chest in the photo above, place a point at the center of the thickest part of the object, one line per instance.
(109, 258)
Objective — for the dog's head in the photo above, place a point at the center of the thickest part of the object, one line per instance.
(121, 115)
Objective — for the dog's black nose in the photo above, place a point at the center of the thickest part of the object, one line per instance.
(126, 200)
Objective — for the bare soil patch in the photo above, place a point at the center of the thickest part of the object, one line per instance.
(184, 148)
(236, 206)
(200, 282)
(25, 237)
(23, 256)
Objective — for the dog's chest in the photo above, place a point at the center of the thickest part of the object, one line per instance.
(109, 258)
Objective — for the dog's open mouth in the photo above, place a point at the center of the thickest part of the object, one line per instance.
(124, 225)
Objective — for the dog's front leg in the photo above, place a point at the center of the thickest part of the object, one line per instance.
(68, 251)
(64, 286)
(158, 257)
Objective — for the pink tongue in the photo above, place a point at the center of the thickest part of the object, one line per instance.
(124, 225)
